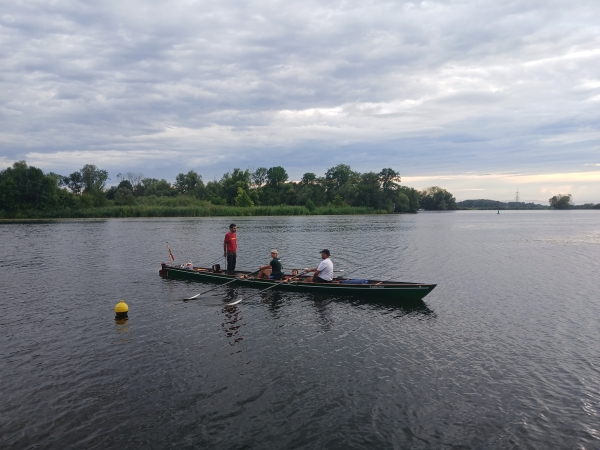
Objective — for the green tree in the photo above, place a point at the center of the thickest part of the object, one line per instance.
(259, 177)
(339, 175)
(342, 180)
(276, 177)
(437, 199)
(124, 196)
(23, 187)
(160, 188)
(74, 182)
(243, 199)
(94, 179)
(338, 202)
(125, 184)
(309, 178)
(389, 178)
(561, 201)
(188, 183)
(230, 182)
(134, 179)
(370, 193)
(401, 202)
(413, 198)
(214, 193)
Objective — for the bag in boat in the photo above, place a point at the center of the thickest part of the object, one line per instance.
(355, 281)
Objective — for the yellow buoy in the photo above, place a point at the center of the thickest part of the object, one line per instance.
(121, 309)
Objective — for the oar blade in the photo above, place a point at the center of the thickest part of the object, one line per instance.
(192, 297)
(234, 303)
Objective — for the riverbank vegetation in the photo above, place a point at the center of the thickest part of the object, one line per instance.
(28, 192)
(557, 202)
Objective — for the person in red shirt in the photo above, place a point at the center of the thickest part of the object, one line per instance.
(230, 248)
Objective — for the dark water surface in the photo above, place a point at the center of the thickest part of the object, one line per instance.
(503, 354)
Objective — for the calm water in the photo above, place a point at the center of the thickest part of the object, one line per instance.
(503, 354)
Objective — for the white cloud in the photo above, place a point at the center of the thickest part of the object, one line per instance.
(423, 87)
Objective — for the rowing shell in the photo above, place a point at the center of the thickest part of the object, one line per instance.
(390, 290)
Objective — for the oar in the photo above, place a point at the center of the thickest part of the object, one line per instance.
(254, 295)
(212, 262)
(259, 292)
(219, 286)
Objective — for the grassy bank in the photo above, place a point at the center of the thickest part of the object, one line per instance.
(189, 211)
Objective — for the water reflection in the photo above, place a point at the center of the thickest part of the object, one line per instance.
(406, 307)
(121, 325)
(399, 309)
(274, 300)
(233, 319)
(323, 309)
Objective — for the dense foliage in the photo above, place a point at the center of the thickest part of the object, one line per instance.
(27, 192)
(561, 201)
(437, 199)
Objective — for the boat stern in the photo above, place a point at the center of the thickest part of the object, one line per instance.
(163, 271)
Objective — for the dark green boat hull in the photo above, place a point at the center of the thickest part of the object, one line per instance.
(388, 290)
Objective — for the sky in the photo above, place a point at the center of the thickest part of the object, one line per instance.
(480, 97)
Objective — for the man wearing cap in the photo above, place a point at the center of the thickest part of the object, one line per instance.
(324, 272)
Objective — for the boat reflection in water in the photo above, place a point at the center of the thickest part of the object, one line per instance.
(323, 303)
(412, 307)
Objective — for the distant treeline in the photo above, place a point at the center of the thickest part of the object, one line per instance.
(557, 202)
(494, 204)
(26, 191)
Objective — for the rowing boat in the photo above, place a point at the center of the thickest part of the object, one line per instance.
(391, 290)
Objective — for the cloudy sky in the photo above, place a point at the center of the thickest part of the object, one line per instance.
(480, 97)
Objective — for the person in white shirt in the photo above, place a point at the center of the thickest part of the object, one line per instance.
(324, 272)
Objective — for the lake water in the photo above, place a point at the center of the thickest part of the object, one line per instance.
(504, 353)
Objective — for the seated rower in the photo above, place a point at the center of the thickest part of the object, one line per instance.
(293, 276)
(273, 270)
(324, 272)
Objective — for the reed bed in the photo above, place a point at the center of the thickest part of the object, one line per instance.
(205, 210)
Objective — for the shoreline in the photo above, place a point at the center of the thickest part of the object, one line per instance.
(191, 211)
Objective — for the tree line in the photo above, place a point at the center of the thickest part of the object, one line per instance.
(24, 187)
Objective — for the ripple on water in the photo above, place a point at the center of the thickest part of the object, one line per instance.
(501, 354)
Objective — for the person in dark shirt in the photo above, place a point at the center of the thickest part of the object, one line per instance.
(273, 270)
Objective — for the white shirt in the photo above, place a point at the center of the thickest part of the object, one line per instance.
(326, 270)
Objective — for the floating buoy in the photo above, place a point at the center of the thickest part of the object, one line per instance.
(121, 309)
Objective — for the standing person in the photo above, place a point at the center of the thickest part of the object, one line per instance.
(230, 248)
(324, 272)
(273, 270)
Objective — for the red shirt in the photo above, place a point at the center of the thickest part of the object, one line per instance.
(230, 240)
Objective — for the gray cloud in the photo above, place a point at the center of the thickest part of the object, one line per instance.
(424, 87)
